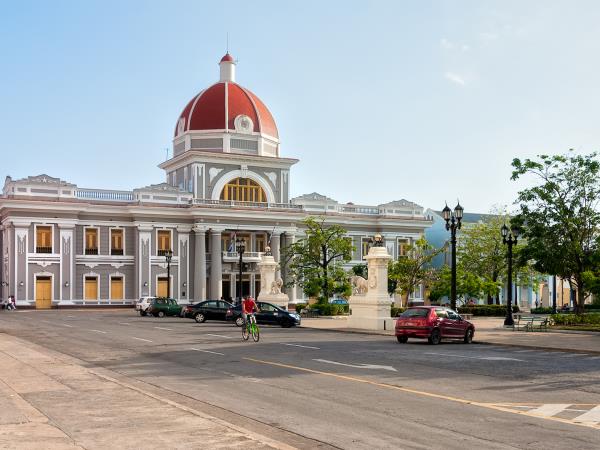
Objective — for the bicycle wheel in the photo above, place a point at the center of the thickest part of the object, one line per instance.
(245, 334)
(255, 332)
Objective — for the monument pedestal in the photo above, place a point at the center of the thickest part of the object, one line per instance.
(270, 288)
(370, 310)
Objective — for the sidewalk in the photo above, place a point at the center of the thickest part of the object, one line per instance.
(50, 401)
(490, 330)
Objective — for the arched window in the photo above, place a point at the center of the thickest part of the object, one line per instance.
(243, 190)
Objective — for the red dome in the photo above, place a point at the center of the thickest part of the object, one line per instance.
(217, 107)
(227, 57)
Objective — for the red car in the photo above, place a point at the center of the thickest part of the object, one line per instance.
(433, 323)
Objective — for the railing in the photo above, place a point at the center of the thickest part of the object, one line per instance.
(249, 255)
(101, 194)
(91, 251)
(116, 251)
(360, 210)
(43, 249)
(237, 204)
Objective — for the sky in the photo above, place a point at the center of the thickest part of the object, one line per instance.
(379, 100)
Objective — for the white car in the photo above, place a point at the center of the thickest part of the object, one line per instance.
(142, 305)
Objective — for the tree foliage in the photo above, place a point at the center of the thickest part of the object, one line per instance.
(559, 215)
(468, 285)
(414, 269)
(315, 261)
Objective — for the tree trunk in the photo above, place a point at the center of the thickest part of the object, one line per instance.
(579, 300)
(325, 287)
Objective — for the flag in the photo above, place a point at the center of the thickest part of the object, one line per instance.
(231, 248)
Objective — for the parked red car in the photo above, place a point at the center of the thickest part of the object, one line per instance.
(433, 323)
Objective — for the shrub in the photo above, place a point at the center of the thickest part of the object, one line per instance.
(394, 312)
(300, 307)
(576, 319)
(594, 307)
(542, 310)
(486, 310)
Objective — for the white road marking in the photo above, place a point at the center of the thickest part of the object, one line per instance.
(358, 366)
(207, 351)
(218, 335)
(124, 323)
(162, 328)
(592, 416)
(484, 358)
(550, 409)
(99, 331)
(298, 345)
(66, 325)
(141, 339)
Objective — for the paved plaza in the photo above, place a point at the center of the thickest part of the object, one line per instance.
(107, 379)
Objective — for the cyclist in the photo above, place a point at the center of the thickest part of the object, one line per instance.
(248, 307)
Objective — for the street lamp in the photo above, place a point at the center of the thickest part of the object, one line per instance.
(240, 246)
(453, 223)
(509, 237)
(168, 257)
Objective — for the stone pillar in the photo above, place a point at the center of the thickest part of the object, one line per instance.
(21, 283)
(216, 268)
(200, 264)
(269, 290)
(183, 263)
(371, 311)
(290, 238)
(275, 244)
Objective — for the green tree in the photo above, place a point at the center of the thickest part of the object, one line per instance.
(315, 261)
(559, 215)
(468, 285)
(414, 269)
(480, 251)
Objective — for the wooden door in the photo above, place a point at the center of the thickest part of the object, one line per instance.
(161, 288)
(43, 292)
(116, 288)
(91, 288)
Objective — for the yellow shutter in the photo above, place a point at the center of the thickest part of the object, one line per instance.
(91, 288)
(116, 288)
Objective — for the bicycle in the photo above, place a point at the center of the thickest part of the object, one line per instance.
(250, 328)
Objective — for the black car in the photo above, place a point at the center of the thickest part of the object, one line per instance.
(268, 314)
(206, 310)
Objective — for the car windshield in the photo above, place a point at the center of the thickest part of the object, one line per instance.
(415, 312)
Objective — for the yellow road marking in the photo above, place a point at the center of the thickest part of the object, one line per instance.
(493, 406)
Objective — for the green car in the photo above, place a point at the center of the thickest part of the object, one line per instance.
(161, 307)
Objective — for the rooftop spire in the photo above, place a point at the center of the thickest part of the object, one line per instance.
(227, 66)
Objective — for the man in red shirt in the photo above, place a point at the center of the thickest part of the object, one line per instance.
(248, 307)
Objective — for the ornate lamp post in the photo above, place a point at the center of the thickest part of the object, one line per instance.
(509, 237)
(453, 223)
(240, 246)
(168, 257)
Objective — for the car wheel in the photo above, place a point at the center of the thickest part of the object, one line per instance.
(161, 314)
(143, 313)
(402, 339)
(468, 336)
(200, 318)
(286, 324)
(435, 337)
(239, 321)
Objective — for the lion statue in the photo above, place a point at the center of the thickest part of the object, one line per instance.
(276, 286)
(359, 284)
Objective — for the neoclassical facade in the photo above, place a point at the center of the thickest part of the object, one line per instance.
(63, 245)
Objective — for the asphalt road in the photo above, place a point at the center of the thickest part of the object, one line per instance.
(340, 389)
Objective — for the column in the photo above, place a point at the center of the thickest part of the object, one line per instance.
(290, 238)
(200, 264)
(67, 261)
(143, 260)
(21, 283)
(216, 269)
(275, 241)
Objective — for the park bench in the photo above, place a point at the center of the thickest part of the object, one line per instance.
(531, 323)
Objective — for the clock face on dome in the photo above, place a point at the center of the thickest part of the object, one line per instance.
(243, 124)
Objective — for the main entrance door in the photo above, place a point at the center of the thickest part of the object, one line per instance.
(43, 292)
(162, 287)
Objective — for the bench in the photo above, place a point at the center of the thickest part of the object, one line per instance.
(467, 316)
(531, 323)
(309, 313)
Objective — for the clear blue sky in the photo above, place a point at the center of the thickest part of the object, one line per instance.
(427, 101)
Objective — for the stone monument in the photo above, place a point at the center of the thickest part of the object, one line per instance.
(270, 288)
(371, 304)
